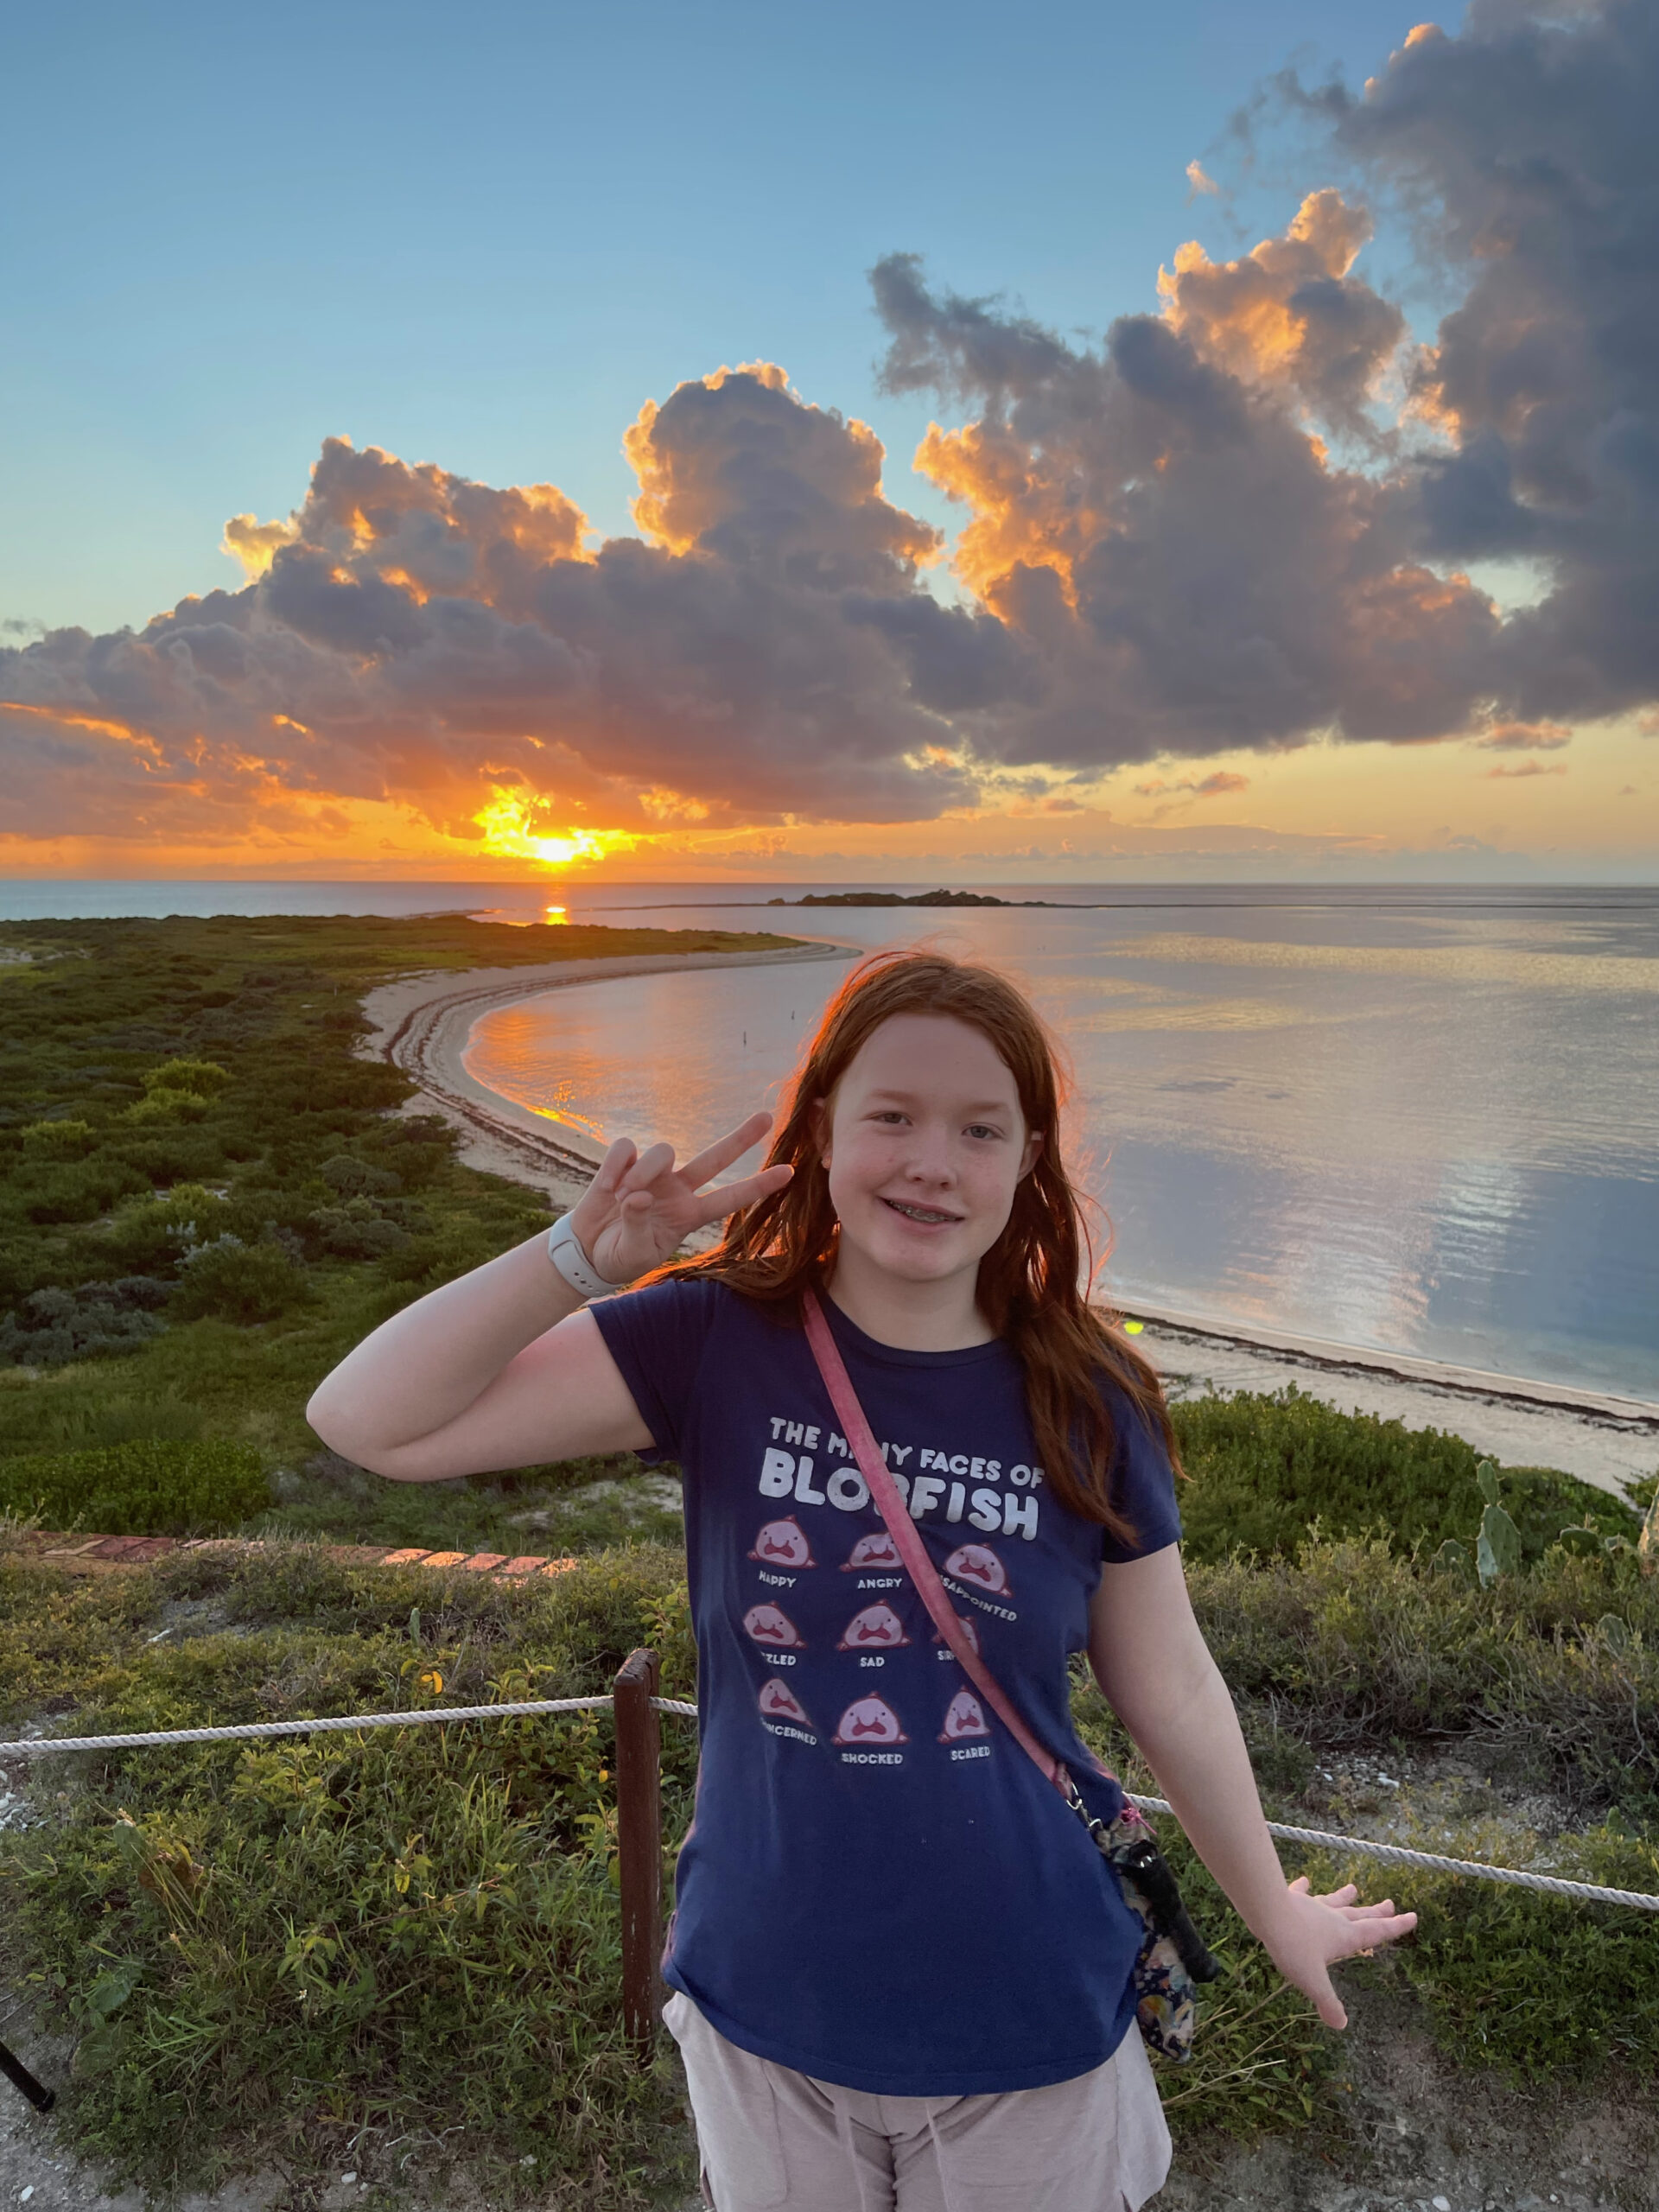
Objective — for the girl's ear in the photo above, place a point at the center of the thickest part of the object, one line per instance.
(1029, 1157)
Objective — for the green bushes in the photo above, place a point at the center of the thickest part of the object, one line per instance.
(265, 1949)
(97, 1321)
(1354, 1645)
(302, 1937)
(150, 1236)
(196, 1078)
(1265, 1469)
(238, 1283)
(140, 1489)
(79, 1190)
(57, 1140)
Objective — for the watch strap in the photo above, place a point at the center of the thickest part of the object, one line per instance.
(564, 1248)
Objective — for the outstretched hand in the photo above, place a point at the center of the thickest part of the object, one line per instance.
(640, 1207)
(1312, 1934)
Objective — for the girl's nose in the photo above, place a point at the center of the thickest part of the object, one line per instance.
(930, 1159)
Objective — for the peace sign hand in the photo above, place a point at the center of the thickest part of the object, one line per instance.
(639, 1208)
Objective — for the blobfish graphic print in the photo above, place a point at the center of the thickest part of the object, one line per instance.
(783, 1543)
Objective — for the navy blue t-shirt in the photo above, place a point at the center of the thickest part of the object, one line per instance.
(879, 1890)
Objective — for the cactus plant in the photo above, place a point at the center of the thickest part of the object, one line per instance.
(1647, 1544)
(1497, 1550)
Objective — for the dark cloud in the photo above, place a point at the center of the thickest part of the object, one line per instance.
(1161, 525)
(1527, 151)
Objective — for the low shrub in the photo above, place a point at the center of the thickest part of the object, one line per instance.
(234, 1282)
(356, 1231)
(1545, 1990)
(151, 1236)
(161, 1105)
(1352, 1644)
(1265, 1469)
(199, 1078)
(149, 1488)
(78, 1190)
(57, 1140)
(96, 1320)
(351, 1178)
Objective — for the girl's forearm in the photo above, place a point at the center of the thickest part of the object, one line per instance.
(426, 1365)
(1197, 1751)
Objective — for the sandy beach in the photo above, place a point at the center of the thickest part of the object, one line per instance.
(421, 1024)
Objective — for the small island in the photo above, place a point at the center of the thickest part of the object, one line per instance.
(902, 899)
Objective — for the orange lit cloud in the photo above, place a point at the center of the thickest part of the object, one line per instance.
(1288, 315)
(1215, 786)
(1527, 768)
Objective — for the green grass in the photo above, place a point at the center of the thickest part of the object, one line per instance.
(268, 1950)
(204, 1197)
(286, 1943)
(1265, 1469)
(138, 1489)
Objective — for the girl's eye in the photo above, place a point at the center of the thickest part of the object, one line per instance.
(982, 1129)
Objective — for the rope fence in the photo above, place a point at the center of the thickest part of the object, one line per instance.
(638, 1708)
(260, 1730)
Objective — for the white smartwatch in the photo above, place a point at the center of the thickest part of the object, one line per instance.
(565, 1249)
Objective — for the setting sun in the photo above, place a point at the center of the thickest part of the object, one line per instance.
(508, 835)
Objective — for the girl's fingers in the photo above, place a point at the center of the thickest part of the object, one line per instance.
(1331, 2009)
(1367, 1935)
(654, 1162)
(619, 1158)
(719, 1204)
(732, 1145)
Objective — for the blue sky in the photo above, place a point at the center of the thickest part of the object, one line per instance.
(485, 237)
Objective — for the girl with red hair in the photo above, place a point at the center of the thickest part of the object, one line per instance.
(903, 1975)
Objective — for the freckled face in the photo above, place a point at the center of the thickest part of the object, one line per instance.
(924, 1145)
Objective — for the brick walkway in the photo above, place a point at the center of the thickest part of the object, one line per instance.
(95, 1555)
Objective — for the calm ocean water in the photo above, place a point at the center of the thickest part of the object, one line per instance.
(1421, 1119)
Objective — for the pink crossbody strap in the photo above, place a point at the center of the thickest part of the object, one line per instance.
(911, 1550)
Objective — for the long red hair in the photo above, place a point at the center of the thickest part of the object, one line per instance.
(1033, 1281)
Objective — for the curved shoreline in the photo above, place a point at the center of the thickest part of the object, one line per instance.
(422, 1024)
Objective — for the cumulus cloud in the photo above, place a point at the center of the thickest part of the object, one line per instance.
(253, 542)
(1215, 529)
(1529, 768)
(1200, 185)
(418, 637)
(1160, 524)
(1525, 148)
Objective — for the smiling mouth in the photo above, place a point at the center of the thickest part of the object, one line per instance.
(929, 1216)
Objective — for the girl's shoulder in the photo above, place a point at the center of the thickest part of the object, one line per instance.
(683, 1313)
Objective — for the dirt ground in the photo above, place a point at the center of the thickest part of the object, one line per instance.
(1410, 2135)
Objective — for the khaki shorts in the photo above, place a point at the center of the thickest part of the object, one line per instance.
(769, 2136)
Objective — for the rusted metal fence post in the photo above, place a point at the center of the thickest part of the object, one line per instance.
(639, 1847)
(21, 2078)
